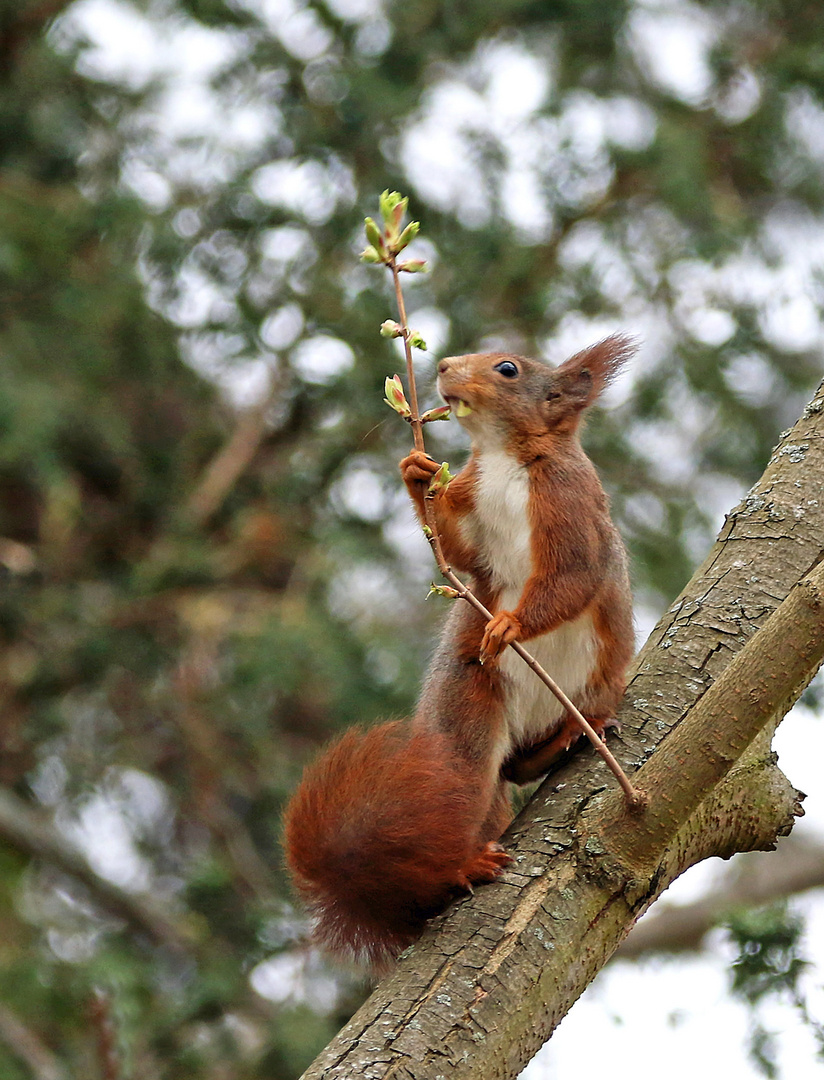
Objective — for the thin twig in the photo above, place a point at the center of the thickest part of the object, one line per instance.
(635, 798)
(231, 460)
(415, 419)
(103, 1027)
(206, 762)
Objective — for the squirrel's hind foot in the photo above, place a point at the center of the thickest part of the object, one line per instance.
(484, 866)
(531, 762)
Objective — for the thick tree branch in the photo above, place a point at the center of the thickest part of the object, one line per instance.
(761, 683)
(490, 980)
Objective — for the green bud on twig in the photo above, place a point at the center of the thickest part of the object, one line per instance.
(390, 202)
(443, 412)
(373, 235)
(443, 590)
(441, 480)
(391, 329)
(408, 235)
(416, 341)
(413, 266)
(395, 397)
(371, 255)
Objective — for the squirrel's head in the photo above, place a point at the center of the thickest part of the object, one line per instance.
(498, 396)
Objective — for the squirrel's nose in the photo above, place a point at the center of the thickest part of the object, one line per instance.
(443, 367)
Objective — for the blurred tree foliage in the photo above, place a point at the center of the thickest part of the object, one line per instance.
(769, 965)
(207, 564)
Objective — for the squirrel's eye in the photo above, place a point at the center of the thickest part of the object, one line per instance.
(507, 369)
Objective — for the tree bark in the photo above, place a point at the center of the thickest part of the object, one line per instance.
(490, 980)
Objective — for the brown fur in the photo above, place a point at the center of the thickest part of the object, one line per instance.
(389, 824)
(396, 799)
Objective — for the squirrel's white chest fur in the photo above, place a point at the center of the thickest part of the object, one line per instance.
(499, 527)
(500, 523)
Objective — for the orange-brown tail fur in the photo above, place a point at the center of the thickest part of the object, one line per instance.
(381, 833)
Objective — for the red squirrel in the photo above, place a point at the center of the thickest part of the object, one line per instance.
(391, 823)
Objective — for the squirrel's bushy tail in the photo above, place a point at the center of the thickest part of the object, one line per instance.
(380, 835)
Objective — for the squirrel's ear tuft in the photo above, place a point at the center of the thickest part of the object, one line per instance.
(589, 371)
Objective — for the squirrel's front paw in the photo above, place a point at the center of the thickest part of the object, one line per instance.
(501, 630)
(418, 468)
